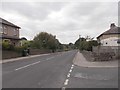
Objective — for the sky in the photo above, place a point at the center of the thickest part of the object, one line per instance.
(65, 19)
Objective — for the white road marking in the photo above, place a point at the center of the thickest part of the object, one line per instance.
(27, 65)
(71, 67)
(70, 70)
(68, 75)
(66, 82)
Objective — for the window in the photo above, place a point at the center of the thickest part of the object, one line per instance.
(1, 29)
(106, 43)
(5, 29)
(15, 31)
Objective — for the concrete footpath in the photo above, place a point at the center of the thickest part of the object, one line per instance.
(20, 58)
(80, 60)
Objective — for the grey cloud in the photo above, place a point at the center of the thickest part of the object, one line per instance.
(65, 19)
(39, 10)
(76, 10)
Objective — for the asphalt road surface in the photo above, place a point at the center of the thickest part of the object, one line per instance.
(56, 71)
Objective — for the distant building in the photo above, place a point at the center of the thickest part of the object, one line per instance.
(110, 37)
(9, 32)
(23, 41)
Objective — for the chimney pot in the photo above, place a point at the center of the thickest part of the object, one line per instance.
(112, 25)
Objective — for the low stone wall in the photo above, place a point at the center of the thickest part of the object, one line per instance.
(103, 53)
(38, 51)
(99, 49)
(10, 54)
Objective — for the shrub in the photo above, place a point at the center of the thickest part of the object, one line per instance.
(7, 46)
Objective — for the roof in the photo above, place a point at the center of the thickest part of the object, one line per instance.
(3, 21)
(115, 30)
(23, 38)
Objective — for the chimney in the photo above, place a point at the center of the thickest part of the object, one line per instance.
(112, 25)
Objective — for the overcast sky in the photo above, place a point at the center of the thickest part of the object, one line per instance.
(66, 20)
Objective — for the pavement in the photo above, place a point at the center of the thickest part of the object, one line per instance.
(80, 60)
(56, 71)
(26, 57)
(87, 74)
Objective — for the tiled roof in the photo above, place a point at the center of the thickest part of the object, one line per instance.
(3, 21)
(115, 30)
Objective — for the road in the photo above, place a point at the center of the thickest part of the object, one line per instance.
(56, 71)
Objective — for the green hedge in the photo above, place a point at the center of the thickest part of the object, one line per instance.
(7, 46)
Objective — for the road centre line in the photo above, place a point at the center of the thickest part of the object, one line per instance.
(27, 66)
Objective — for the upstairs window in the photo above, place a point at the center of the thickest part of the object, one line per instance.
(5, 29)
(1, 29)
(15, 31)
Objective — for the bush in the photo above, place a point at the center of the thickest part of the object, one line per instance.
(7, 46)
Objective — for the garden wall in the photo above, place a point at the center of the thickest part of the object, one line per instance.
(106, 52)
(13, 54)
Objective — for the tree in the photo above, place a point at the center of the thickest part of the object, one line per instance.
(86, 43)
(77, 43)
(71, 46)
(91, 44)
(45, 40)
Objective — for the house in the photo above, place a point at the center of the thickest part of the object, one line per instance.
(9, 32)
(109, 44)
(110, 37)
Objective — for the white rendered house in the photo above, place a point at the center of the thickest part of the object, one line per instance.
(110, 37)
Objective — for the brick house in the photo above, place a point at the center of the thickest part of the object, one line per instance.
(9, 32)
(110, 37)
